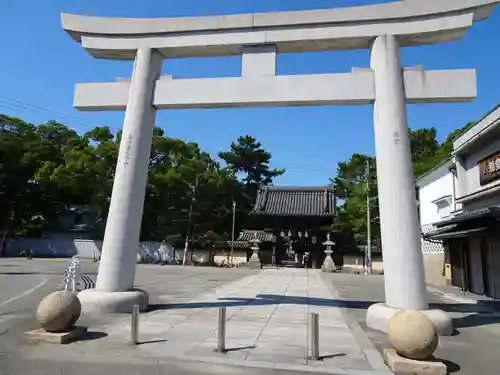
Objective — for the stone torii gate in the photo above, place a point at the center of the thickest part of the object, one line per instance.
(382, 28)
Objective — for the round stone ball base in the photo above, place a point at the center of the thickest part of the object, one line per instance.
(378, 315)
(101, 302)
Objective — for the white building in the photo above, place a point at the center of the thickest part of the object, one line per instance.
(436, 194)
(436, 202)
(470, 232)
(477, 159)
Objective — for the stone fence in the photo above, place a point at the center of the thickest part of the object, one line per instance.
(86, 249)
(66, 247)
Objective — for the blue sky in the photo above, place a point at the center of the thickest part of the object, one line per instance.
(40, 65)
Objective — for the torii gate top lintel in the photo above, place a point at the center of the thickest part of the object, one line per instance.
(414, 21)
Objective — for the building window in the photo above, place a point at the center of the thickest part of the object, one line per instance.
(443, 205)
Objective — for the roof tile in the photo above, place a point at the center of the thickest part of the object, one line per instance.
(295, 201)
(248, 235)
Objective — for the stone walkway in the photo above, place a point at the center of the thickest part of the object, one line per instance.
(266, 327)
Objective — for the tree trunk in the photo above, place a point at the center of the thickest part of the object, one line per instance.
(4, 236)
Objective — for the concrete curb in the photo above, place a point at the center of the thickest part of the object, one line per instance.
(100, 358)
(284, 366)
(451, 297)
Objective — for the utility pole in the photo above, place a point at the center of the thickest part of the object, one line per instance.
(190, 215)
(232, 234)
(368, 222)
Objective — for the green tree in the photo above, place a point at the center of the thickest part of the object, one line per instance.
(446, 147)
(47, 168)
(424, 147)
(247, 156)
(249, 161)
(350, 181)
(177, 171)
(21, 199)
(79, 169)
(427, 152)
(353, 188)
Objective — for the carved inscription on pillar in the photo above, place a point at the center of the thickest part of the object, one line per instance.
(127, 150)
(395, 138)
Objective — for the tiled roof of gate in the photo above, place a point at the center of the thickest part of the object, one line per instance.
(240, 245)
(248, 235)
(295, 201)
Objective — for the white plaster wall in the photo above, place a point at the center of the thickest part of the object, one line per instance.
(477, 204)
(355, 263)
(445, 211)
(439, 184)
(57, 247)
(239, 257)
(64, 247)
(434, 268)
(90, 249)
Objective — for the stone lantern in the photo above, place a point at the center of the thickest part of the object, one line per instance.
(328, 264)
(254, 261)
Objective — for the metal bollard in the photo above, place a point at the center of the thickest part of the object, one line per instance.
(221, 341)
(73, 280)
(66, 279)
(134, 332)
(314, 324)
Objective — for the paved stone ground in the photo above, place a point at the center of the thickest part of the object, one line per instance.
(266, 329)
(25, 282)
(473, 350)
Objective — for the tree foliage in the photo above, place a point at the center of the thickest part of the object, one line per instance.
(247, 160)
(46, 168)
(351, 184)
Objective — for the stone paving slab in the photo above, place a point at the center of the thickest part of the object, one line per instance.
(267, 314)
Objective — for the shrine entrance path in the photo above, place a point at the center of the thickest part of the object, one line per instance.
(266, 328)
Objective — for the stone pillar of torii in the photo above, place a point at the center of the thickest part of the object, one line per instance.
(381, 28)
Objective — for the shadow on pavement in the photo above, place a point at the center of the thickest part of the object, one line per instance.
(93, 335)
(475, 320)
(482, 313)
(478, 317)
(450, 366)
(159, 341)
(239, 348)
(330, 356)
(263, 299)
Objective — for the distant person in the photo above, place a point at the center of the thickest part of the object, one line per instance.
(162, 254)
(305, 260)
